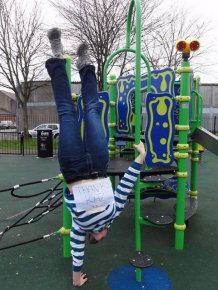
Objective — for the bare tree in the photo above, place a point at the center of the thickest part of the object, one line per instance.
(21, 42)
(102, 24)
(159, 46)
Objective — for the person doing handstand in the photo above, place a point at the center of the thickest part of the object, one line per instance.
(89, 195)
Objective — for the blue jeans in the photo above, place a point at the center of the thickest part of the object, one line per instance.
(78, 159)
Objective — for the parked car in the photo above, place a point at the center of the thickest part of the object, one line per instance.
(53, 126)
(7, 125)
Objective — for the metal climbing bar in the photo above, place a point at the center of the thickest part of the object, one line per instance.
(67, 220)
(117, 52)
(183, 129)
(137, 120)
(196, 121)
(137, 5)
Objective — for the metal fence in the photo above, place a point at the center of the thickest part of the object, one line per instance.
(13, 142)
(210, 123)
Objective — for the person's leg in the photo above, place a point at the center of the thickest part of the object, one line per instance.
(71, 152)
(96, 143)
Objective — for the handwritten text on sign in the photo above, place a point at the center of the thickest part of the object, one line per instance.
(93, 194)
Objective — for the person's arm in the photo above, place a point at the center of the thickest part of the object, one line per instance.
(127, 182)
(77, 242)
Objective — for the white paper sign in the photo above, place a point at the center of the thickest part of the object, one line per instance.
(96, 193)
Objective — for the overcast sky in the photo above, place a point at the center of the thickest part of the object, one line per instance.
(206, 11)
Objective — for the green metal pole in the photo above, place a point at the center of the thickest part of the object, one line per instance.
(129, 23)
(119, 51)
(194, 147)
(68, 67)
(137, 123)
(112, 120)
(182, 145)
(194, 171)
(139, 56)
(112, 115)
(67, 221)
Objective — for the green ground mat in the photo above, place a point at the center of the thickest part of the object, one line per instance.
(40, 265)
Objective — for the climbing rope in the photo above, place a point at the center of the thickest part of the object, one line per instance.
(50, 202)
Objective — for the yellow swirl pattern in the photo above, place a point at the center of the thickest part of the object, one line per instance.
(162, 109)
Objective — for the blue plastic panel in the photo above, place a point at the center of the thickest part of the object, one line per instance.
(160, 129)
(104, 108)
(161, 81)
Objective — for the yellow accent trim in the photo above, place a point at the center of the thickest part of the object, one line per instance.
(64, 231)
(194, 152)
(198, 79)
(112, 104)
(182, 146)
(104, 106)
(183, 98)
(112, 139)
(180, 155)
(112, 82)
(193, 194)
(179, 227)
(182, 174)
(112, 125)
(74, 96)
(195, 159)
(60, 176)
(67, 56)
(184, 70)
(110, 146)
(200, 147)
(113, 152)
(182, 127)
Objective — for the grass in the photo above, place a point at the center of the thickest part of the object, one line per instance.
(29, 144)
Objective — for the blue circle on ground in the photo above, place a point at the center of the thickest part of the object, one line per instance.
(124, 278)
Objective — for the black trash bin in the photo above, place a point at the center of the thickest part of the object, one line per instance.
(45, 143)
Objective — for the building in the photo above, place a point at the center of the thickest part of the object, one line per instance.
(209, 94)
(7, 106)
(41, 106)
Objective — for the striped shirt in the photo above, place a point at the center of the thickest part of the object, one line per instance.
(84, 222)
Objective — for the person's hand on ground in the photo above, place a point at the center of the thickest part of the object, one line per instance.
(79, 279)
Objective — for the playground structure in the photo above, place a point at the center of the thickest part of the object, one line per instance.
(174, 112)
(167, 134)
